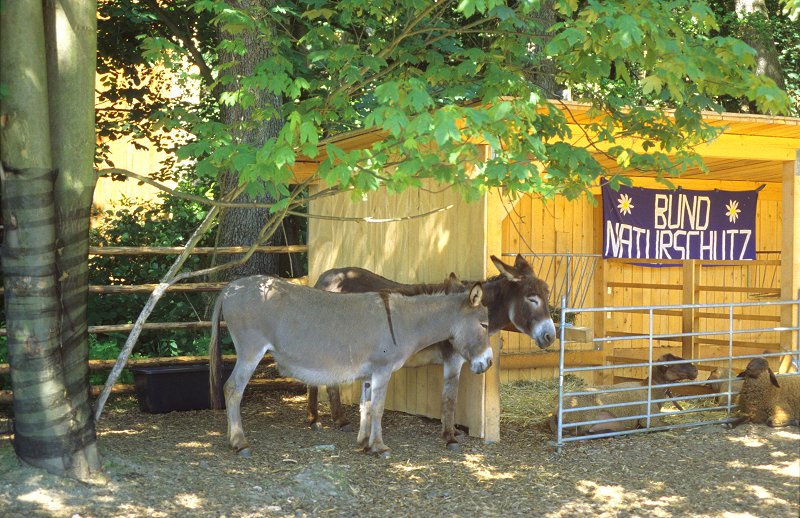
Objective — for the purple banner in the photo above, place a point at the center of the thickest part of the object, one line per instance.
(643, 223)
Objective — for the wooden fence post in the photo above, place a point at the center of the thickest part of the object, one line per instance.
(790, 256)
(601, 377)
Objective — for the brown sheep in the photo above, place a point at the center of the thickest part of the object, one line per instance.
(764, 400)
(662, 374)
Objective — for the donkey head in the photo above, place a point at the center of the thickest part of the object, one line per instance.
(526, 298)
(471, 331)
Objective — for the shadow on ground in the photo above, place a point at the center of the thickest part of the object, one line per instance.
(179, 464)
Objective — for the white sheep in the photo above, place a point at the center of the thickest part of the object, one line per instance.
(764, 400)
(662, 374)
(723, 373)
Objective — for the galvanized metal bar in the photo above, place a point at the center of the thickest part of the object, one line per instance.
(562, 439)
(688, 306)
(700, 360)
(649, 366)
(560, 411)
(730, 360)
(644, 430)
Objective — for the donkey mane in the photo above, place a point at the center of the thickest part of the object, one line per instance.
(423, 289)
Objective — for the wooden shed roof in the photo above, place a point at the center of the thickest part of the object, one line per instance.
(752, 147)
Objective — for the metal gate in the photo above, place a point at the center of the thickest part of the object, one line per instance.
(725, 393)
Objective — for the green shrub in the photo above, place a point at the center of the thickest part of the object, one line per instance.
(168, 221)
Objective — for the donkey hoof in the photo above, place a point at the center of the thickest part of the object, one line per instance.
(316, 426)
(385, 455)
(245, 452)
(453, 446)
(347, 427)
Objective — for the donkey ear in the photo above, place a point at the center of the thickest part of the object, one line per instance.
(452, 284)
(508, 271)
(773, 379)
(522, 266)
(475, 295)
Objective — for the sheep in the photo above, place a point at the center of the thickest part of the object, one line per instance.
(764, 400)
(661, 374)
(723, 373)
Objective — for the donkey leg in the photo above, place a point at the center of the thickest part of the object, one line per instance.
(312, 407)
(234, 388)
(452, 372)
(337, 411)
(365, 413)
(380, 383)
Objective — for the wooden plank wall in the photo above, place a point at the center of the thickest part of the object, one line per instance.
(416, 250)
(143, 161)
(562, 226)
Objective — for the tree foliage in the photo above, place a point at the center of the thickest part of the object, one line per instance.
(772, 25)
(440, 79)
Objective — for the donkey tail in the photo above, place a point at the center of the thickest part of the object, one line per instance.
(215, 357)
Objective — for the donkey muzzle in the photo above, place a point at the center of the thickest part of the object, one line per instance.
(482, 363)
(544, 333)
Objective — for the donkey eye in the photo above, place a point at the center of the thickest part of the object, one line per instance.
(485, 325)
(534, 300)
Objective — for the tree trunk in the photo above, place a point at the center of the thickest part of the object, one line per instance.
(543, 72)
(753, 16)
(53, 427)
(72, 51)
(240, 227)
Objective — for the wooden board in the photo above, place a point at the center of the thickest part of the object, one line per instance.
(424, 249)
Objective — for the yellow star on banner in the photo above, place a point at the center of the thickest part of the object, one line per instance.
(625, 204)
(733, 210)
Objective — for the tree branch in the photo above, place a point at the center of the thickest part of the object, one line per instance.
(186, 39)
(170, 278)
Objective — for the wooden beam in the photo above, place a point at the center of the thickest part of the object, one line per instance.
(200, 250)
(491, 394)
(571, 333)
(600, 289)
(494, 212)
(513, 361)
(289, 384)
(100, 365)
(790, 255)
(635, 359)
(642, 285)
(727, 145)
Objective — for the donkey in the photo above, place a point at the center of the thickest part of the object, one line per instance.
(515, 297)
(324, 338)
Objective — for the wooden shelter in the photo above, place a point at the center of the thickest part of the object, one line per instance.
(753, 150)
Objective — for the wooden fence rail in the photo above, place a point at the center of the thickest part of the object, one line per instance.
(200, 250)
(290, 384)
(198, 287)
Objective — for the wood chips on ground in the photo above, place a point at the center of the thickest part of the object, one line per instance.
(179, 464)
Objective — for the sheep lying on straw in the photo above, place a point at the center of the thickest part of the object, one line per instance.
(764, 400)
(662, 374)
(723, 373)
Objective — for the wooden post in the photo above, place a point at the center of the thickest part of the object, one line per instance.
(790, 256)
(600, 291)
(491, 395)
(688, 321)
(497, 208)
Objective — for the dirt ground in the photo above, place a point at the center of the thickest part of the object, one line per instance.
(179, 464)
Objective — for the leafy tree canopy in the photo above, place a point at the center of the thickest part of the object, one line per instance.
(441, 79)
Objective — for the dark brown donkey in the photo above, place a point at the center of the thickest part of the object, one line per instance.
(515, 297)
